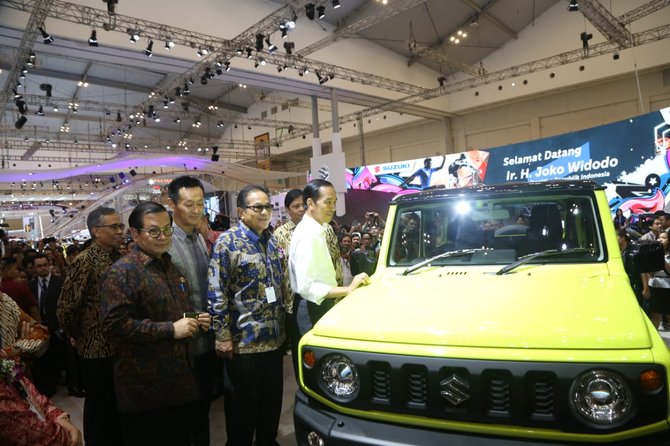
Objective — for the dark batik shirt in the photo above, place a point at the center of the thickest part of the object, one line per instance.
(79, 302)
(142, 297)
(243, 266)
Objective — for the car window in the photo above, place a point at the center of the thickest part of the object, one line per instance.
(507, 227)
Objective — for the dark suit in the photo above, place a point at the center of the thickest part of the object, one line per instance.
(46, 369)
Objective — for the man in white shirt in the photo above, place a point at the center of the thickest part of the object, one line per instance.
(311, 269)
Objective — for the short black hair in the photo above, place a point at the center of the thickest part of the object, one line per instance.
(186, 181)
(313, 190)
(291, 196)
(136, 218)
(96, 216)
(41, 256)
(246, 190)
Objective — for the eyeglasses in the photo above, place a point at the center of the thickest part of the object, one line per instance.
(113, 226)
(156, 232)
(260, 208)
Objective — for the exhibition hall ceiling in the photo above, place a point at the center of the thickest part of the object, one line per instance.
(89, 82)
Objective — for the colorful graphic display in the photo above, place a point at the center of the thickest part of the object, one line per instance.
(630, 158)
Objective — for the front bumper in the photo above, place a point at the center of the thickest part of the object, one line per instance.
(336, 429)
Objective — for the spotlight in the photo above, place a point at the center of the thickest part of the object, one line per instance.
(40, 111)
(215, 157)
(132, 172)
(168, 44)
(20, 122)
(261, 60)
(279, 69)
(284, 34)
(201, 52)
(215, 149)
(574, 5)
(218, 71)
(301, 72)
(177, 120)
(148, 51)
(239, 51)
(118, 117)
(259, 42)
(585, 37)
(288, 46)
(441, 80)
(271, 47)
(322, 79)
(249, 53)
(46, 88)
(336, 3)
(93, 40)
(615, 56)
(321, 11)
(46, 37)
(21, 104)
(203, 80)
(177, 91)
(227, 64)
(134, 35)
(186, 90)
(111, 5)
(309, 10)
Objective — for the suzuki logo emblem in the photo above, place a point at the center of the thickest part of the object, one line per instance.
(455, 390)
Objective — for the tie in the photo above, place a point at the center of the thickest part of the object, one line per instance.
(43, 298)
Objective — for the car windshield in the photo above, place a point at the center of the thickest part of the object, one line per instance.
(497, 229)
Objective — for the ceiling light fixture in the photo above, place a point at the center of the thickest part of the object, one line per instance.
(259, 42)
(148, 51)
(271, 47)
(309, 10)
(573, 6)
(93, 40)
(46, 37)
(134, 35)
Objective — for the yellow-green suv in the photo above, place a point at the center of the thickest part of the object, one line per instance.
(497, 315)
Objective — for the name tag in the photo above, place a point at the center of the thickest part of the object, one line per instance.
(270, 295)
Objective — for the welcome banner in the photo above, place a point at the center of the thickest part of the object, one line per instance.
(630, 158)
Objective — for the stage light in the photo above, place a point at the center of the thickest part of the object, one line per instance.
(168, 44)
(215, 157)
(118, 117)
(21, 104)
(336, 3)
(111, 5)
(93, 40)
(284, 34)
(309, 10)
(47, 89)
(132, 172)
(574, 5)
(249, 53)
(288, 46)
(321, 11)
(20, 122)
(271, 47)
(441, 80)
(40, 111)
(259, 42)
(134, 35)
(46, 37)
(149, 49)
(227, 64)
(322, 80)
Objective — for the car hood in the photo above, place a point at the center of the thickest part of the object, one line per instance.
(561, 310)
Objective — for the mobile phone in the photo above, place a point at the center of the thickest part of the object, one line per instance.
(191, 314)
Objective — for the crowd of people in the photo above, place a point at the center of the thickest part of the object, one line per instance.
(149, 323)
(651, 289)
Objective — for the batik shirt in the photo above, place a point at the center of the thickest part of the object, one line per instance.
(142, 297)
(79, 302)
(283, 236)
(244, 266)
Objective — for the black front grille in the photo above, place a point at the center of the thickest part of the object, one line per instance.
(528, 394)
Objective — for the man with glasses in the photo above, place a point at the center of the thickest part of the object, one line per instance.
(246, 301)
(186, 197)
(79, 315)
(148, 318)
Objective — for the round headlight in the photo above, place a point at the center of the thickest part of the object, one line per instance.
(602, 397)
(339, 378)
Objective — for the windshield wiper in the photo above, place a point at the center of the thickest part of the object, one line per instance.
(548, 253)
(458, 253)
